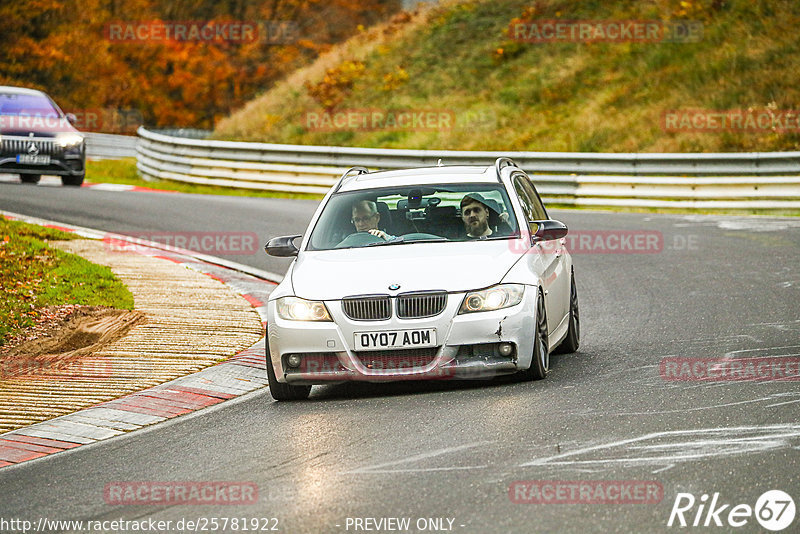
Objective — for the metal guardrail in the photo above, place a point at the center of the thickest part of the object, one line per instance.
(189, 133)
(110, 146)
(708, 181)
(115, 146)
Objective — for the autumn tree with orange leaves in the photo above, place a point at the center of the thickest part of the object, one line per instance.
(65, 48)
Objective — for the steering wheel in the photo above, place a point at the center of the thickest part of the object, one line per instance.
(358, 239)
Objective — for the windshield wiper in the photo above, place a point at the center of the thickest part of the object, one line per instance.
(399, 240)
(492, 238)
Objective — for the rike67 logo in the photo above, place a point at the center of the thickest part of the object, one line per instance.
(774, 510)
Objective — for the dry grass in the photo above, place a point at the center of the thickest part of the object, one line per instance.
(260, 116)
(606, 97)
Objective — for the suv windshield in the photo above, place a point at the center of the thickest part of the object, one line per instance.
(27, 105)
(409, 214)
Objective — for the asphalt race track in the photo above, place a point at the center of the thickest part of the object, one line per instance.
(445, 455)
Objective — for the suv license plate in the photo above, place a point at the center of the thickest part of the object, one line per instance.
(33, 160)
(395, 339)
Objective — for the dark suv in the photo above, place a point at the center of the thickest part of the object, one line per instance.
(37, 138)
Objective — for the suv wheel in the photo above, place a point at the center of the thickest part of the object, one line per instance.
(30, 178)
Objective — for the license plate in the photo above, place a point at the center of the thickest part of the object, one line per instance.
(395, 339)
(43, 159)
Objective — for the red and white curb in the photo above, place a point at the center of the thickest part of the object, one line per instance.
(241, 374)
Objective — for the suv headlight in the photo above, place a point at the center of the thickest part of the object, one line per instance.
(297, 309)
(69, 139)
(494, 298)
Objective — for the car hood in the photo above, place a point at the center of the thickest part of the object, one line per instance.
(333, 274)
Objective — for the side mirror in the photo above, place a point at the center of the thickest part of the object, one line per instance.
(549, 230)
(282, 246)
(71, 118)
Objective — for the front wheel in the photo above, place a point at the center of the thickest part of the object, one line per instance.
(30, 178)
(573, 339)
(281, 391)
(540, 362)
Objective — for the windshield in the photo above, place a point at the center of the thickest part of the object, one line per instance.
(413, 214)
(27, 105)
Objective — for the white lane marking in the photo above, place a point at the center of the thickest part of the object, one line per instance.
(791, 325)
(717, 340)
(700, 408)
(751, 224)
(701, 443)
(378, 468)
(794, 352)
(781, 403)
(667, 468)
(420, 470)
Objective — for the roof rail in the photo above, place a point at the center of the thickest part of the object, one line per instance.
(503, 162)
(358, 170)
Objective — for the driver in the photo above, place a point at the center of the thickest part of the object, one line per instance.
(366, 217)
(475, 213)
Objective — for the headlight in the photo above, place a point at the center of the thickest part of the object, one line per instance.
(69, 139)
(494, 298)
(297, 309)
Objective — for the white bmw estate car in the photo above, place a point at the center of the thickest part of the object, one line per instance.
(431, 273)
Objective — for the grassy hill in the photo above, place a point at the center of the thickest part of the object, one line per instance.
(502, 94)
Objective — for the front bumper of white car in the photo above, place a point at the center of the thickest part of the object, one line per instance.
(477, 345)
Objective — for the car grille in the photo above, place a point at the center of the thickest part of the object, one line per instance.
(374, 308)
(409, 306)
(396, 359)
(418, 305)
(20, 145)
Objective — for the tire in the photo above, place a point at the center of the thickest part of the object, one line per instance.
(571, 343)
(75, 181)
(281, 391)
(30, 178)
(540, 362)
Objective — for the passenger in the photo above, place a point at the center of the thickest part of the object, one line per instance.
(475, 212)
(366, 218)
